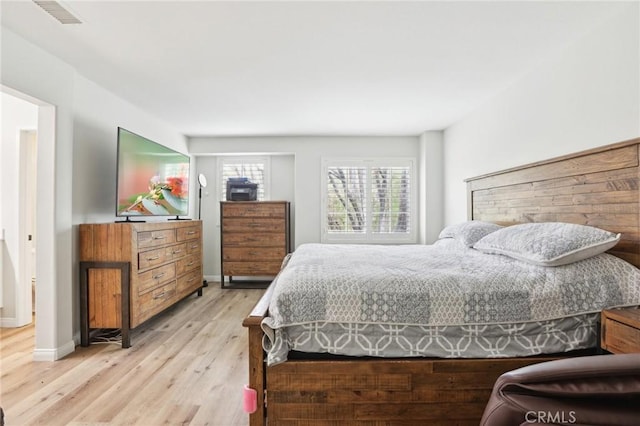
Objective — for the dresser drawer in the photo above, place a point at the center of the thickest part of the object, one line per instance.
(250, 268)
(255, 240)
(190, 233)
(156, 238)
(190, 282)
(187, 264)
(156, 277)
(156, 300)
(150, 258)
(253, 254)
(194, 247)
(253, 210)
(253, 225)
(176, 251)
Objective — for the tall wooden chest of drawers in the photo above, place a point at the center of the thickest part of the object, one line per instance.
(254, 238)
(165, 261)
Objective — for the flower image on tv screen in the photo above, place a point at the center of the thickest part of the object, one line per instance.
(153, 180)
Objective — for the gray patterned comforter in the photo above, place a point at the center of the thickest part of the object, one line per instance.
(441, 285)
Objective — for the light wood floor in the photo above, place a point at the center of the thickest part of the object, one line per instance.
(187, 366)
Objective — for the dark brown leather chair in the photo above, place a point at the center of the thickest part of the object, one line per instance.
(593, 390)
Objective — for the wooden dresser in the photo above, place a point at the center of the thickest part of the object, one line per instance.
(254, 238)
(159, 263)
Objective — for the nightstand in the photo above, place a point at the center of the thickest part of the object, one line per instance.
(620, 332)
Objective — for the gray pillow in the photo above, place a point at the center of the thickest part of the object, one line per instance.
(549, 243)
(468, 233)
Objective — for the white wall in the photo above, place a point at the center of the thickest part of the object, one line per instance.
(308, 152)
(16, 115)
(587, 96)
(431, 186)
(29, 69)
(76, 176)
(282, 188)
(98, 114)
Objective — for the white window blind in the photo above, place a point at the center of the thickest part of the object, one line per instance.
(346, 199)
(391, 200)
(369, 200)
(256, 169)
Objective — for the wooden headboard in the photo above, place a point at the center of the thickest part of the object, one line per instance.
(598, 187)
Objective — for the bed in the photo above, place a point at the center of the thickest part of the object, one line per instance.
(598, 187)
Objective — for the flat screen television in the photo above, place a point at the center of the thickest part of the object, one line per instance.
(152, 180)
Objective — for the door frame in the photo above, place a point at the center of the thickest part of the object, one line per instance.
(26, 224)
(46, 299)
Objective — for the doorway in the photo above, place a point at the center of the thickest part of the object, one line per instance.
(19, 124)
(27, 158)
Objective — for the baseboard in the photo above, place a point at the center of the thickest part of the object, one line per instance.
(8, 322)
(54, 354)
(12, 322)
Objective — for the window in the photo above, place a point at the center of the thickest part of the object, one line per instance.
(368, 200)
(254, 168)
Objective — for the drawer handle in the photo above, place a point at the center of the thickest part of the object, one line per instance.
(177, 251)
(159, 295)
(159, 237)
(194, 246)
(160, 275)
(190, 263)
(191, 232)
(190, 279)
(153, 258)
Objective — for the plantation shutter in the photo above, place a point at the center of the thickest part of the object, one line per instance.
(346, 203)
(391, 203)
(368, 200)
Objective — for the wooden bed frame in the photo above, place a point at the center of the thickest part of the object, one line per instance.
(598, 187)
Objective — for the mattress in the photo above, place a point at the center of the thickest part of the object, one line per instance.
(440, 300)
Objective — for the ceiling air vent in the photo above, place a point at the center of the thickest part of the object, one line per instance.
(56, 10)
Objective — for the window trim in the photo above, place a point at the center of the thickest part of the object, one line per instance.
(369, 237)
(266, 159)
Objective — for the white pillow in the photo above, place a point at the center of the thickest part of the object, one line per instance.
(468, 233)
(549, 243)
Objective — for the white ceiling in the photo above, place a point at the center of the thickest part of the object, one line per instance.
(307, 68)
